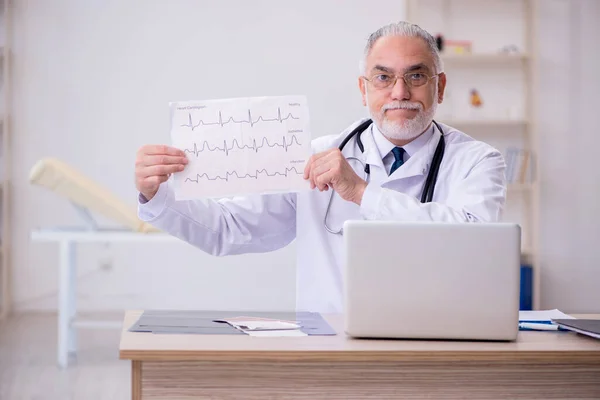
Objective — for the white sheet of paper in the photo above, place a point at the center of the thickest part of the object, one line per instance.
(241, 146)
(263, 325)
(543, 315)
(277, 333)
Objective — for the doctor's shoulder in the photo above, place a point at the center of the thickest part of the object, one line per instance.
(333, 140)
(463, 147)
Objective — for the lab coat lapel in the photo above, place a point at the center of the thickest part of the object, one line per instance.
(372, 157)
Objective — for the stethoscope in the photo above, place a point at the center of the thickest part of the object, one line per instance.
(427, 194)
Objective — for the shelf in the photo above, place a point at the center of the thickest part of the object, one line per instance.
(485, 123)
(526, 256)
(484, 59)
(519, 187)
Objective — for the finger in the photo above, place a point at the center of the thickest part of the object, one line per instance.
(163, 160)
(152, 182)
(327, 158)
(322, 159)
(157, 170)
(329, 170)
(163, 150)
(332, 162)
(324, 180)
(315, 158)
(319, 170)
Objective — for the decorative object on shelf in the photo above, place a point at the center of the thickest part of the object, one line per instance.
(457, 46)
(439, 39)
(510, 49)
(475, 98)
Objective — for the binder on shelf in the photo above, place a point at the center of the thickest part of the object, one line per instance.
(526, 288)
(520, 165)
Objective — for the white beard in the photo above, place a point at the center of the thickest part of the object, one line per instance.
(409, 129)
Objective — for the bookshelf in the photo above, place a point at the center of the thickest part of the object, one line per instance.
(489, 46)
(483, 60)
(5, 160)
(485, 123)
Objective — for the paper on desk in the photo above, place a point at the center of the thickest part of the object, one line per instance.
(543, 315)
(204, 322)
(261, 324)
(265, 326)
(277, 333)
(241, 146)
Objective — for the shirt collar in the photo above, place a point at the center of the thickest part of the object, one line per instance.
(385, 146)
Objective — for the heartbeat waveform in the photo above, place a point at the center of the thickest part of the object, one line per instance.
(250, 121)
(265, 142)
(245, 176)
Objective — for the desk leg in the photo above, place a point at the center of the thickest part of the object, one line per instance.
(136, 380)
(66, 305)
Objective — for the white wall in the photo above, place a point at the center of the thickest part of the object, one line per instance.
(92, 81)
(569, 62)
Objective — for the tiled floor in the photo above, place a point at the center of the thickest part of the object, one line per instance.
(28, 369)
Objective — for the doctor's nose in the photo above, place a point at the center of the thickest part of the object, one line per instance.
(400, 90)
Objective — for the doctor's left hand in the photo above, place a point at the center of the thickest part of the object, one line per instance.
(330, 169)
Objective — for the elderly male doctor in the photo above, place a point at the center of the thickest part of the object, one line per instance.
(401, 84)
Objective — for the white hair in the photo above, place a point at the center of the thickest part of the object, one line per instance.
(403, 28)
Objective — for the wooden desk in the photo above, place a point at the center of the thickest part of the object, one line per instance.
(540, 365)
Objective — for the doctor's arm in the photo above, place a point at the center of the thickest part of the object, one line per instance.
(478, 196)
(251, 224)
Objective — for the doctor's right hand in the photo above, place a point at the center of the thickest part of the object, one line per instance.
(153, 166)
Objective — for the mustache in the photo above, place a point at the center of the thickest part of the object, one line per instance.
(407, 105)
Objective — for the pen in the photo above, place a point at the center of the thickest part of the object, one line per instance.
(540, 326)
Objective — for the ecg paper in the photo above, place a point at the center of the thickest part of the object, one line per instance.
(241, 146)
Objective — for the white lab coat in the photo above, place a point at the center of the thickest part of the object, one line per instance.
(470, 187)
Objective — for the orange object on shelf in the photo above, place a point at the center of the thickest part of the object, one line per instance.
(475, 98)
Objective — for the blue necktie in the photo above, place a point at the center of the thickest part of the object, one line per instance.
(399, 156)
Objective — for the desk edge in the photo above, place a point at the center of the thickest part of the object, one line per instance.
(548, 356)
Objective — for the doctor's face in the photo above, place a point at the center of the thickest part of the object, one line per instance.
(401, 110)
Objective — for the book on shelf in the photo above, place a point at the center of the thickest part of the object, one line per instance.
(520, 165)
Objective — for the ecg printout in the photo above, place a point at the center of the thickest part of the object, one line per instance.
(241, 146)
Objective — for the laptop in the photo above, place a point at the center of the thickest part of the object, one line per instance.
(430, 280)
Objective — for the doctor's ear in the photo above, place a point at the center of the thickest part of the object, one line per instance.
(363, 88)
(441, 87)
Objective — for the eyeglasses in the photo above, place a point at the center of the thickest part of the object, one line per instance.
(412, 79)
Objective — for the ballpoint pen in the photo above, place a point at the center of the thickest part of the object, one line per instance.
(538, 326)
